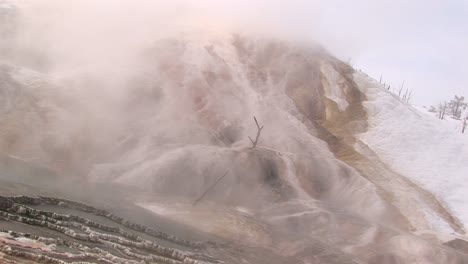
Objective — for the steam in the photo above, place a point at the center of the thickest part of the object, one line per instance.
(71, 35)
(161, 95)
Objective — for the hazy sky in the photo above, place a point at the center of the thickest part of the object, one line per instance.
(424, 43)
(421, 42)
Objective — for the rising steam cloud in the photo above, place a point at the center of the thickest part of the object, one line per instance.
(74, 34)
(161, 95)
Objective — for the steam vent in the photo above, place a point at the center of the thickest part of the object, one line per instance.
(146, 158)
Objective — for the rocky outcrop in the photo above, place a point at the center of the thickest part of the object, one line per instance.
(80, 231)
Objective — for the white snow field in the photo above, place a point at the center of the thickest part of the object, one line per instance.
(417, 145)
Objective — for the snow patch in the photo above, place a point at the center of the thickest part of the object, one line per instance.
(419, 146)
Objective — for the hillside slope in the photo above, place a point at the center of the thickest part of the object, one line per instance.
(322, 186)
(423, 148)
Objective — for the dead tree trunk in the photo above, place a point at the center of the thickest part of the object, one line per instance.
(464, 125)
(409, 96)
(443, 112)
(401, 89)
(209, 188)
(254, 143)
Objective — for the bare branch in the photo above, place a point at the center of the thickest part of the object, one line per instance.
(409, 96)
(405, 95)
(255, 142)
(443, 112)
(464, 124)
(209, 188)
(256, 122)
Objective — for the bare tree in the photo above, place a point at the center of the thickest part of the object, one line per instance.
(410, 95)
(443, 112)
(401, 89)
(464, 123)
(442, 109)
(209, 188)
(457, 105)
(404, 95)
(254, 143)
(385, 86)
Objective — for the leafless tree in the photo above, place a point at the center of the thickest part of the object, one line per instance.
(410, 95)
(209, 188)
(457, 105)
(254, 143)
(464, 123)
(432, 109)
(385, 86)
(442, 109)
(407, 95)
(404, 95)
(445, 109)
(401, 89)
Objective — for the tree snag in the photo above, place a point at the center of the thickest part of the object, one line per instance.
(254, 143)
(464, 124)
(209, 188)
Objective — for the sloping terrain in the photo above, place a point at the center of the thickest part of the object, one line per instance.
(316, 189)
(425, 149)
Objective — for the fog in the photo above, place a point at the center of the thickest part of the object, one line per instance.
(406, 41)
(76, 32)
(159, 97)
